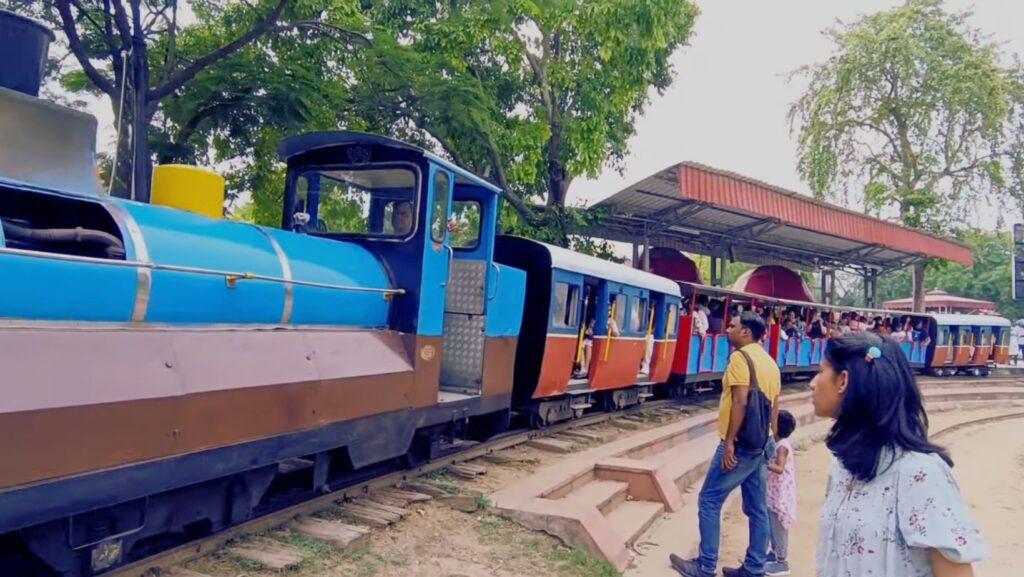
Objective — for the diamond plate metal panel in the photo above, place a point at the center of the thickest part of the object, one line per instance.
(463, 359)
(465, 292)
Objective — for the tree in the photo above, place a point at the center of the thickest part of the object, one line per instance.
(139, 53)
(529, 94)
(911, 109)
(989, 278)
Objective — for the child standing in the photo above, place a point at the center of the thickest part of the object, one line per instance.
(781, 496)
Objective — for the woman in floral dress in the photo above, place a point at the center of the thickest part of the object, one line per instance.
(892, 508)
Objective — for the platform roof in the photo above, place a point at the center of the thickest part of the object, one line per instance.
(705, 210)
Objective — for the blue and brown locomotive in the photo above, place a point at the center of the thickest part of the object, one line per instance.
(164, 368)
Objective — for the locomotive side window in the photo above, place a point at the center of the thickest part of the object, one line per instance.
(466, 219)
(439, 212)
(567, 299)
(370, 202)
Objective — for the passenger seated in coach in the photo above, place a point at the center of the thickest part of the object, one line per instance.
(700, 316)
(716, 318)
(819, 327)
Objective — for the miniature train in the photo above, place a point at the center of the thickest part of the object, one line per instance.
(161, 365)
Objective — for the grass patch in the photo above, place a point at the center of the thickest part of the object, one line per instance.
(248, 564)
(312, 547)
(482, 502)
(441, 479)
(576, 563)
(440, 475)
(364, 563)
(492, 529)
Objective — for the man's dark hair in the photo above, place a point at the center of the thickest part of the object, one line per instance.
(787, 424)
(754, 322)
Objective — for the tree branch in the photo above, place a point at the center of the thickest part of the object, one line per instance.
(178, 79)
(67, 21)
(121, 21)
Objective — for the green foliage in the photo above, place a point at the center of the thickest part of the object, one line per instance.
(529, 94)
(913, 102)
(989, 278)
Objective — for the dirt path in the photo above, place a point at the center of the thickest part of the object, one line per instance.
(988, 476)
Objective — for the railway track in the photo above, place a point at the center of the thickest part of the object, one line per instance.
(270, 519)
(191, 550)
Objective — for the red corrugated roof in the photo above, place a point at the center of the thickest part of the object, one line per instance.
(722, 188)
(938, 298)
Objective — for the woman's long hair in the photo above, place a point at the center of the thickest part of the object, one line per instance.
(882, 408)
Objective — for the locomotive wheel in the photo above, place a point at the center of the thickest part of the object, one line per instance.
(577, 413)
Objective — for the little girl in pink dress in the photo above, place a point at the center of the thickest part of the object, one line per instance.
(781, 496)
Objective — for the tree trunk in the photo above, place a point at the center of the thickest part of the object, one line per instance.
(140, 120)
(919, 267)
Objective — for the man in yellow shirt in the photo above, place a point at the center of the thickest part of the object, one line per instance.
(733, 466)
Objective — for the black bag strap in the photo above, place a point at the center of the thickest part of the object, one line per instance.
(754, 386)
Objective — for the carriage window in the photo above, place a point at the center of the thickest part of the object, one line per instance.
(439, 213)
(366, 201)
(638, 315)
(673, 320)
(620, 310)
(466, 219)
(567, 299)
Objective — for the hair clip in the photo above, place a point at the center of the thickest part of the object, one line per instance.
(873, 353)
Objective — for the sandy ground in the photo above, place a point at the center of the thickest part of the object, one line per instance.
(991, 485)
(988, 477)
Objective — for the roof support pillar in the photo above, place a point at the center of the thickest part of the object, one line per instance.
(646, 249)
(636, 255)
(716, 277)
(828, 286)
(871, 288)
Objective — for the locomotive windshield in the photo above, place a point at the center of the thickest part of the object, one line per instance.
(371, 201)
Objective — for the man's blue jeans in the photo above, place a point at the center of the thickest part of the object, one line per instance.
(751, 475)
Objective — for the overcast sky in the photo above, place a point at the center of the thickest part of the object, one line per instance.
(728, 105)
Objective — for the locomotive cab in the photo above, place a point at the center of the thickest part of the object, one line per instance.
(432, 225)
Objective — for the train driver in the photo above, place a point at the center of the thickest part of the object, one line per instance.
(401, 218)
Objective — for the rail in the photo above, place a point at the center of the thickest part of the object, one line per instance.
(231, 277)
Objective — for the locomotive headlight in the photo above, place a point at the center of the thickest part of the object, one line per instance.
(106, 554)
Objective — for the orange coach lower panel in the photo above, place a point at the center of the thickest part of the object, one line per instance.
(661, 360)
(981, 355)
(199, 400)
(1001, 355)
(964, 354)
(943, 356)
(556, 368)
(621, 366)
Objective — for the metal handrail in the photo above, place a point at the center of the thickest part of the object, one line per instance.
(230, 276)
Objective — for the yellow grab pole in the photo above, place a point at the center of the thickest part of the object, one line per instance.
(582, 336)
(608, 338)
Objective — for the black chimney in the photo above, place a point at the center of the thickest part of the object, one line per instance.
(24, 44)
